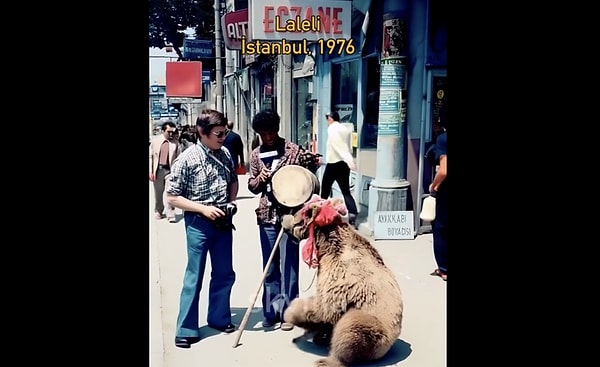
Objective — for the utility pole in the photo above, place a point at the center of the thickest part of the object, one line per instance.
(218, 71)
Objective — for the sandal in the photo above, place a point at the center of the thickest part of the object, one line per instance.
(439, 273)
(286, 326)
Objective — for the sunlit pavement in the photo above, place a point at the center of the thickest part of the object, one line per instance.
(421, 344)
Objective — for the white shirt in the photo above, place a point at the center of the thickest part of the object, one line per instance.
(338, 144)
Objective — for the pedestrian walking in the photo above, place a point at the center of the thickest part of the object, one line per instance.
(164, 148)
(439, 188)
(235, 145)
(339, 163)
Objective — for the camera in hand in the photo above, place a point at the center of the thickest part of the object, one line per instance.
(226, 222)
(229, 209)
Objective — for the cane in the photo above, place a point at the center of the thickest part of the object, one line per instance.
(251, 306)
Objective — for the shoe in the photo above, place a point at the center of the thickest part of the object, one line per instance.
(322, 338)
(172, 220)
(160, 216)
(269, 322)
(225, 329)
(440, 273)
(286, 326)
(352, 220)
(185, 341)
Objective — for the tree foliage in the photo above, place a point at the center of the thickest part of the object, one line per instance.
(168, 19)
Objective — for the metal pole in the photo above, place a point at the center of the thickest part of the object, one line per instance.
(264, 276)
(218, 71)
(424, 107)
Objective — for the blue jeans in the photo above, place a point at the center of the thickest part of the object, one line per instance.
(281, 283)
(440, 232)
(202, 238)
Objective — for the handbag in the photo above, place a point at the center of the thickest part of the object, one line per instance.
(428, 209)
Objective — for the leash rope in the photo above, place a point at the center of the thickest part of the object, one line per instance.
(311, 282)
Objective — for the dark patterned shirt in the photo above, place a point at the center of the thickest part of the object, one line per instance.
(199, 178)
(288, 153)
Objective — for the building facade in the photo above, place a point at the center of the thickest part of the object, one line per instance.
(390, 89)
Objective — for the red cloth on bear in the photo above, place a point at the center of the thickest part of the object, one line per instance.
(328, 214)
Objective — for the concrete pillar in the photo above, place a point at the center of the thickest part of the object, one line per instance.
(284, 95)
(389, 189)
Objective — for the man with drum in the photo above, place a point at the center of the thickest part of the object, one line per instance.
(281, 282)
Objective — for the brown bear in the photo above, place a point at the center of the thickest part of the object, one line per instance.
(357, 301)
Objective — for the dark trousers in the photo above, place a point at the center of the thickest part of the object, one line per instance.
(281, 283)
(159, 188)
(204, 238)
(340, 173)
(440, 233)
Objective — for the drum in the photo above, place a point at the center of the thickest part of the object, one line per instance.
(294, 185)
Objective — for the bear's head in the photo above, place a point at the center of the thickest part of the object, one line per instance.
(316, 212)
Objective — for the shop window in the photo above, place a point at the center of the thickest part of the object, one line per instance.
(345, 90)
(266, 83)
(370, 122)
(267, 96)
(303, 112)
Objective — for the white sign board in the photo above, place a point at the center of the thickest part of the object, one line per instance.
(394, 225)
(297, 20)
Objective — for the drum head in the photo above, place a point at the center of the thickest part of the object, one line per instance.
(293, 185)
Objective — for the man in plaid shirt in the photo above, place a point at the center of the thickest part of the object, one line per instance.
(202, 182)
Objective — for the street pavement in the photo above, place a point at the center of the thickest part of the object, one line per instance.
(422, 342)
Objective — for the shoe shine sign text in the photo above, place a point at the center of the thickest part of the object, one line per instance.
(299, 20)
(394, 225)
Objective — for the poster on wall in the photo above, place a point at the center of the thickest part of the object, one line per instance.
(389, 124)
(345, 111)
(389, 101)
(393, 72)
(394, 37)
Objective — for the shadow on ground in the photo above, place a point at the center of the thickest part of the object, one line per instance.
(399, 352)
(238, 313)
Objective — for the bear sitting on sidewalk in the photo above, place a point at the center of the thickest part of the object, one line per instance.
(358, 303)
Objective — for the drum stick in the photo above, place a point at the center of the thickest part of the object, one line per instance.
(264, 275)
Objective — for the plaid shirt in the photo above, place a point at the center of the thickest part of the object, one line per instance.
(199, 178)
(268, 211)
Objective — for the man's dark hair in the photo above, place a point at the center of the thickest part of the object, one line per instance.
(208, 119)
(167, 124)
(334, 115)
(265, 121)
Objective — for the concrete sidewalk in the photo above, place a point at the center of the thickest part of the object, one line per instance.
(421, 344)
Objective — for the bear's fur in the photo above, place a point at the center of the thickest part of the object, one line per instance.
(357, 300)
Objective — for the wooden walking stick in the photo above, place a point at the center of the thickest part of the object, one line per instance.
(264, 275)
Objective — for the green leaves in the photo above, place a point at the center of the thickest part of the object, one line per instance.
(168, 19)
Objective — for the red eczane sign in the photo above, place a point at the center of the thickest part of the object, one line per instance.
(184, 79)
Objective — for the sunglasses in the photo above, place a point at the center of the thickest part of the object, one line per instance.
(221, 134)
